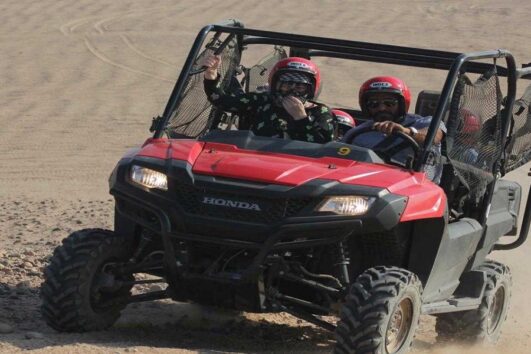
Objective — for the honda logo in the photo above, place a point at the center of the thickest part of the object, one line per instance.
(231, 203)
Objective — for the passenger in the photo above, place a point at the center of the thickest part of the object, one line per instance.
(385, 101)
(286, 110)
(345, 122)
(468, 137)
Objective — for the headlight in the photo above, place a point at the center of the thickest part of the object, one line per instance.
(149, 178)
(346, 205)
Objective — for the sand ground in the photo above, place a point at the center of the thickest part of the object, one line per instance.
(80, 81)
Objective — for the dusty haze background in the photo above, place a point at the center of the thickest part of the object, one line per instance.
(80, 82)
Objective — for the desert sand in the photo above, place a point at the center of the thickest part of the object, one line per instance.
(80, 82)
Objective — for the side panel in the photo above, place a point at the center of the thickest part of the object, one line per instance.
(502, 219)
(424, 204)
(506, 202)
(425, 199)
(440, 253)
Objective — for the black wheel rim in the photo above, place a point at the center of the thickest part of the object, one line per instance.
(102, 299)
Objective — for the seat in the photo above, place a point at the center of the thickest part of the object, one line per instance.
(427, 102)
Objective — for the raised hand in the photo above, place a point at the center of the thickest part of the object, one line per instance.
(294, 107)
(212, 63)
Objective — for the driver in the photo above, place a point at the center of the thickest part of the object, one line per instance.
(385, 101)
(286, 110)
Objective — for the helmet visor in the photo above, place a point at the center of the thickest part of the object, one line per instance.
(295, 77)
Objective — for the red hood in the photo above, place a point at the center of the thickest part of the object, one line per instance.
(425, 198)
(186, 150)
(231, 162)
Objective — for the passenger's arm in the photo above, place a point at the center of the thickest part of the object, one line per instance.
(216, 95)
(232, 102)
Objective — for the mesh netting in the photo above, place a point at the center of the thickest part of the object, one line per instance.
(195, 115)
(519, 149)
(473, 142)
(258, 74)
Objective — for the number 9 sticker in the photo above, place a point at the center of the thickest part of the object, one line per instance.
(343, 151)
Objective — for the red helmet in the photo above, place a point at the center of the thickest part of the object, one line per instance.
(471, 122)
(344, 121)
(309, 73)
(388, 84)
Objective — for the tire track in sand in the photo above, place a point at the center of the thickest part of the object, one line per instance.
(101, 27)
(109, 61)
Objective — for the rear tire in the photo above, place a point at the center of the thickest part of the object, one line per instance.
(381, 312)
(73, 299)
(482, 325)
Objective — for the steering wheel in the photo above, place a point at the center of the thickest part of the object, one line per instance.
(387, 152)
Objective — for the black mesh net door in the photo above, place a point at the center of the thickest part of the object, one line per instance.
(474, 137)
(195, 115)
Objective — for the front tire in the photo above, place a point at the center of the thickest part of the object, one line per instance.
(381, 312)
(482, 325)
(78, 293)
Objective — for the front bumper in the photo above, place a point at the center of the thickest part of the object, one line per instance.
(178, 216)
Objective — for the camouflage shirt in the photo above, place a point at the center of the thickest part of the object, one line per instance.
(268, 119)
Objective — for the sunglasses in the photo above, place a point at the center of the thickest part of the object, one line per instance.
(387, 102)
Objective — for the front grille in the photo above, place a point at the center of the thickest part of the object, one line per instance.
(230, 206)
